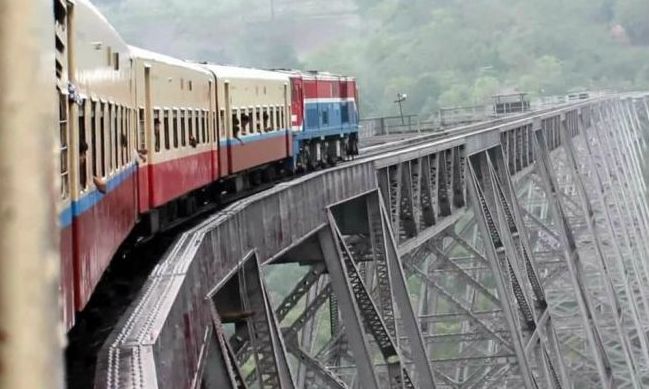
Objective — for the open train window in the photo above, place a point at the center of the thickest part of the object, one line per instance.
(141, 129)
(197, 122)
(258, 119)
(183, 137)
(109, 140)
(156, 129)
(245, 122)
(174, 120)
(116, 130)
(204, 126)
(64, 147)
(93, 136)
(102, 137)
(222, 123)
(197, 126)
(236, 124)
(190, 128)
(165, 123)
(124, 135)
(83, 149)
(266, 118)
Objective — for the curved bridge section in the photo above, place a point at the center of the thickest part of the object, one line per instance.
(513, 255)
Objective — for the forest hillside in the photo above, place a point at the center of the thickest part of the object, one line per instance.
(439, 52)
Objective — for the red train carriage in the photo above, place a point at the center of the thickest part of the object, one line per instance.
(253, 116)
(97, 170)
(176, 105)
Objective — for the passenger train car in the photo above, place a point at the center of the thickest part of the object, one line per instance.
(146, 139)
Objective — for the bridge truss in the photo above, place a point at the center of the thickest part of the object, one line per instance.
(512, 256)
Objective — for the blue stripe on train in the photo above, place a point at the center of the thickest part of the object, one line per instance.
(90, 199)
(256, 137)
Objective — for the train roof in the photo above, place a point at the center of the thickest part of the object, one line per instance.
(234, 72)
(94, 20)
(148, 55)
(315, 74)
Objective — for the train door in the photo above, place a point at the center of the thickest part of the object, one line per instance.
(143, 139)
(228, 125)
(284, 121)
(214, 128)
(297, 103)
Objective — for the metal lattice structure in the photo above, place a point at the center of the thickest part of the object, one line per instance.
(513, 256)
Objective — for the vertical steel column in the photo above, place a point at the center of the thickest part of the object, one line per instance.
(30, 330)
(496, 253)
(266, 339)
(402, 297)
(600, 196)
(349, 309)
(636, 178)
(604, 266)
(639, 250)
(550, 353)
(221, 370)
(573, 261)
(624, 176)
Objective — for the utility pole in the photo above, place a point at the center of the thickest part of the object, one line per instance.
(401, 97)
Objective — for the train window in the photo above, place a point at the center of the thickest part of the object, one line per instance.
(204, 125)
(102, 137)
(245, 122)
(344, 113)
(196, 126)
(83, 149)
(190, 128)
(116, 130)
(222, 123)
(93, 136)
(190, 85)
(266, 118)
(283, 117)
(141, 140)
(273, 118)
(325, 118)
(236, 129)
(63, 137)
(174, 120)
(124, 134)
(116, 61)
(183, 138)
(109, 140)
(156, 129)
(165, 124)
(258, 119)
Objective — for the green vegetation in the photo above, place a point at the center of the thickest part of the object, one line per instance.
(439, 52)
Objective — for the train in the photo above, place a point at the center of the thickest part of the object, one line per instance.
(146, 139)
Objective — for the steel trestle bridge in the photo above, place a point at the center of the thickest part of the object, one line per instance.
(506, 255)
